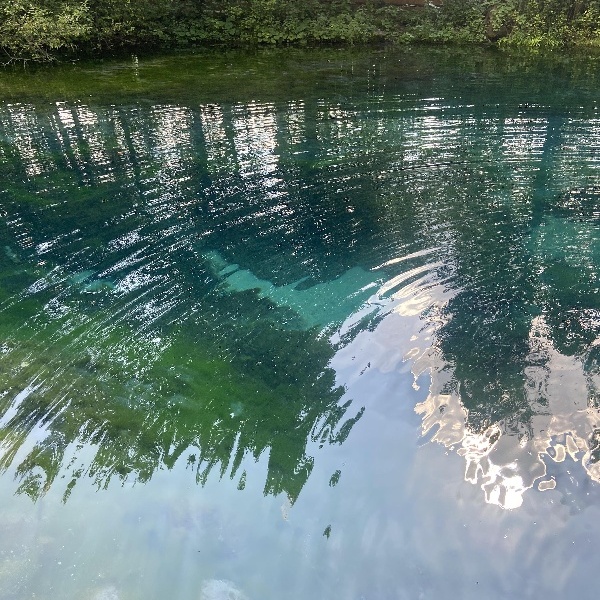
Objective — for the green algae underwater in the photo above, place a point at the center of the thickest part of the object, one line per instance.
(240, 293)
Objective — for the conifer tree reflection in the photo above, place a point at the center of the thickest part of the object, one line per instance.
(124, 352)
(525, 303)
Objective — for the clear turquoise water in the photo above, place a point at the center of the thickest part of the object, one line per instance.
(300, 325)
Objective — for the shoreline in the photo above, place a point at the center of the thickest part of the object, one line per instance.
(72, 31)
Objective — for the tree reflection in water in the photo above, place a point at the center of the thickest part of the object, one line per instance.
(174, 280)
(510, 309)
(127, 346)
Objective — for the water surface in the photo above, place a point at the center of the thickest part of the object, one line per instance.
(299, 325)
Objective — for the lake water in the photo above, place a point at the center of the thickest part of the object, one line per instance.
(300, 325)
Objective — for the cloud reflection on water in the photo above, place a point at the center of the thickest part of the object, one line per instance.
(560, 387)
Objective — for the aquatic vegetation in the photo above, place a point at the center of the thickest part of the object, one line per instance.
(240, 298)
(100, 396)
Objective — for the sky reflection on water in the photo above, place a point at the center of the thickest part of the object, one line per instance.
(290, 298)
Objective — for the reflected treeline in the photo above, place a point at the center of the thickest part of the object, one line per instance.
(513, 313)
(171, 274)
(131, 337)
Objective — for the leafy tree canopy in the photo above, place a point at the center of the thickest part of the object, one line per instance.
(46, 29)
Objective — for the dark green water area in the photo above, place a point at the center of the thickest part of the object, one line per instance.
(300, 325)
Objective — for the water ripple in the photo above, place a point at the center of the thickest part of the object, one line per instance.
(460, 239)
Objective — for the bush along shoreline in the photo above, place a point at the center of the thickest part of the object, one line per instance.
(47, 30)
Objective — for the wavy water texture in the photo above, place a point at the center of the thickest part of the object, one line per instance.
(179, 280)
(556, 379)
(505, 463)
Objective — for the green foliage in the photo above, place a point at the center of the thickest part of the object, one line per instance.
(131, 23)
(546, 23)
(272, 22)
(40, 29)
(33, 29)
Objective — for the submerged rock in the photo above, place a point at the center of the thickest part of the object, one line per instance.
(11, 254)
(81, 277)
(98, 286)
(220, 589)
(106, 593)
(87, 285)
(317, 305)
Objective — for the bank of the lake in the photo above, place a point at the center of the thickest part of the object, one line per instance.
(48, 30)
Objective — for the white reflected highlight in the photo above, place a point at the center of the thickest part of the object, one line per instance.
(504, 463)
